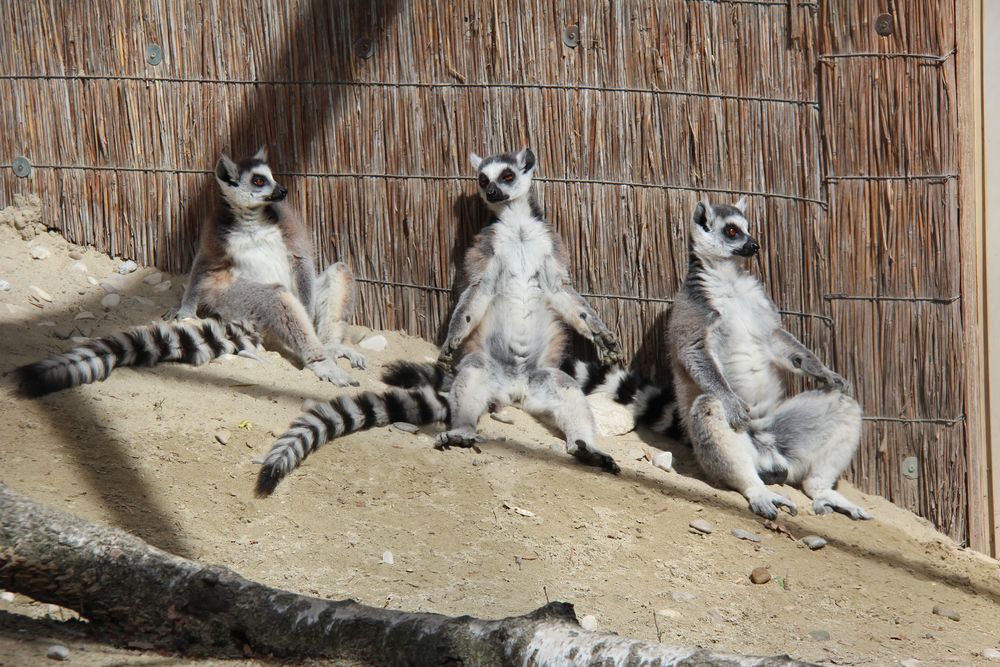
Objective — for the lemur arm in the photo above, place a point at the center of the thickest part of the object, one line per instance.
(699, 362)
(189, 302)
(577, 313)
(469, 312)
(305, 283)
(791, 355)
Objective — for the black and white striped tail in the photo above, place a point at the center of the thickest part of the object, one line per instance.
(409, 374)
(343, 415)
(653, 405)
(189, 342)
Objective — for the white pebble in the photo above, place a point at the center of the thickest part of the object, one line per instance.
(57, 652)
(222, 436)
(111, 300)
(7, 596)
(143, 301)
(814, 542)
(702, 526)
(405, 427)
(92, 280)
(668, 613)
(589, 623)
(992, 654)
(40, 252)
(910, 662)
(388, 558)
(127, 267)
(112, 285)
(664, 461)
(153, 278)
(75, 254)
(4, 286)
(84, 315)
(78, 267)
(40, 293)
(745, 535)
(683, 596)
(376, 343)
(162, 287)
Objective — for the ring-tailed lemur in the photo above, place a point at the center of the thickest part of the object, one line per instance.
(507, 334)
(253, 269)
(727, 347)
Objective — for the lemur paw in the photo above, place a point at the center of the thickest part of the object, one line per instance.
(766, 503)
(825, 505)
(838, 383)
(591, 456)
(357, 359)
(609, 350)
(737, 414)
(458, 437)
(179, 313)
(328, 371)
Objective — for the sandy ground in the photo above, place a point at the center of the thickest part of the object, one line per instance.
(138, 451)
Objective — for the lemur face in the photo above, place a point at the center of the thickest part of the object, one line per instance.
(722, 231)
(504, 177)
(248, 183)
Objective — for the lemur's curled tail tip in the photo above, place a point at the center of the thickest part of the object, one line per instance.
(410, 374)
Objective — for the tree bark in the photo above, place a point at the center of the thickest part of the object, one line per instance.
(133, 592)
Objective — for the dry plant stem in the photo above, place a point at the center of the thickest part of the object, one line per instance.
(134, 591)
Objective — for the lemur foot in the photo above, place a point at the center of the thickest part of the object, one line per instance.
(357, 359)
(590, 456)
(459, 437)
(831, 501)
(766, 503)
(179, 313)
(328, 371)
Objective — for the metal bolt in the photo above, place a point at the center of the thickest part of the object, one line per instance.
(364, 47)
(571, 36)
(21, 167)
(154, 54)
(885, 25)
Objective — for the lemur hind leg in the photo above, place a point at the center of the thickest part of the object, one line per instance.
(554, 394)
(729, 457)
(277, 312)
(335, 293)
(478, 380)
(819, 432)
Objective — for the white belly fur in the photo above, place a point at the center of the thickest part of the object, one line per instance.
(260, 256)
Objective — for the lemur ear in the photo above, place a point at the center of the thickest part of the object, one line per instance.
(261, 154)
(226, 170)
(742, 204)
(527, 160)
(701, 214)
(475, 161)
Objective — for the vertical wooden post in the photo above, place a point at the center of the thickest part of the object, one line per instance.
(968, 64)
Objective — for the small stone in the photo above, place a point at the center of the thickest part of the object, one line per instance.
(78, 267)
(7, 596)
(947, 613)
(376, 343)
(589, 623)
(153, 278)
(668, 613)
(40, 252)
(92, 280)
(4, 286)
(75, 254)
(910, 662)
(702, 526)
(111, 300)
(222, 436)
(988, 653)
(745, 535)
(819, 635)
(127, 267)
(405, 427)
(388, 558)
(683, 596)
(612, 419)
(57, 652)
(814, 542)
(716, 617)
(112, 285)
(40, 293)
(503, 417)
(664, 461)
(162, 287)
(143, 301)
(760, 575)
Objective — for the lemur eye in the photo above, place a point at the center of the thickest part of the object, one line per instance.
(259, 181)
(732, 231)
(483, 180)
(507, 176)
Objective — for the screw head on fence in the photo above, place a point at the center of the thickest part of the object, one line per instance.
(154, 54)
(885, 25)
(910, 467)
(571, 36)
(21, 167)
(364, 47)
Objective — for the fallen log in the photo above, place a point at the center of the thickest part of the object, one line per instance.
(135, 593)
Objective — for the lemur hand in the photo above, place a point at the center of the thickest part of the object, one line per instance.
(179, 313)
(609, 350)
(834, 381)
(737, 412)
(447, 356)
